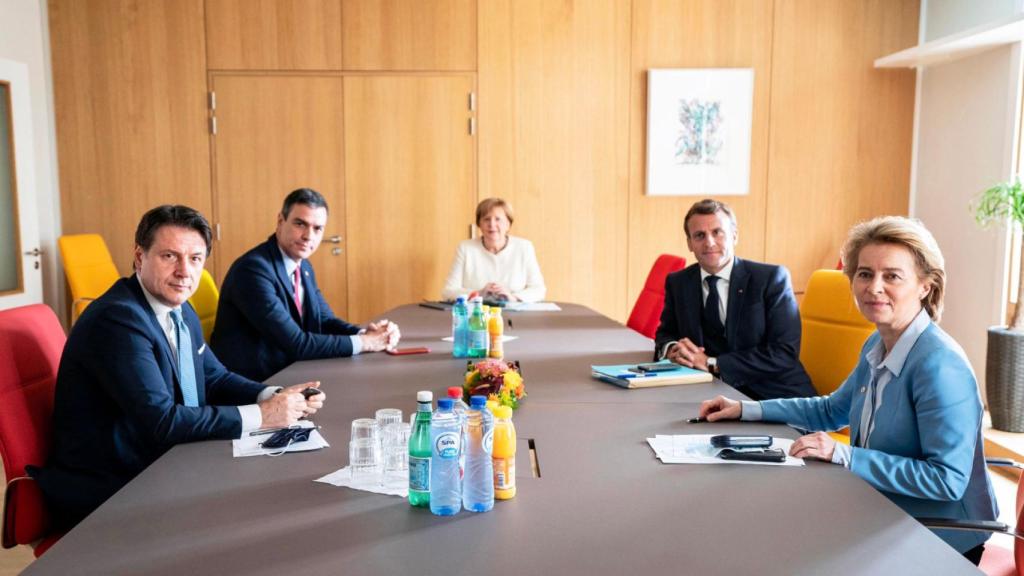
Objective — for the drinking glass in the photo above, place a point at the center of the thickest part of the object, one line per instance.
(365, 429)
(386, 416)
(364, 460)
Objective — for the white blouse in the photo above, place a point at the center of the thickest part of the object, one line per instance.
(514, 267)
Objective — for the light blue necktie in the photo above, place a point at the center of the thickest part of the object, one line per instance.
(186, 368)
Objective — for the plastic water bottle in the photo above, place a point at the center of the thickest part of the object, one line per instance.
(478, 335)
(419, 451)
(445, 442)
(478, 483)
(459, 407)
(460, 328)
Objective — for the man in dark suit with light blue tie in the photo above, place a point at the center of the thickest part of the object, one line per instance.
(271, 312)
(136, 377)
(735, 318)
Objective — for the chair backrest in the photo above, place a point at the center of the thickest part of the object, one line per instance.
(89, 269)
(205, 303)
(834, 330)
(646, 314)
(31, 342)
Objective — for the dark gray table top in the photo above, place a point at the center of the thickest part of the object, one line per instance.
(602, 505)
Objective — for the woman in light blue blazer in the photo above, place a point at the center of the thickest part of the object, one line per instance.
(912, 402)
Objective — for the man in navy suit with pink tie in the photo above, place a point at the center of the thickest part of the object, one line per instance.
(271, 312)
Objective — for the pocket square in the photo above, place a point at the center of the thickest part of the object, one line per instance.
(201, 349)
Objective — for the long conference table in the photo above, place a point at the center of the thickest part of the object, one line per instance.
(602, 504)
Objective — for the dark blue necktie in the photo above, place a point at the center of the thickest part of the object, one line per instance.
(186, 368)
(711, 316)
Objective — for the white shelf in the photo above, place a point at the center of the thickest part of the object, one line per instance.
(959, 45)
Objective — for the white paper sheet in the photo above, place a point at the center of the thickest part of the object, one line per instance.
(697, 449)
(394, 483)
(251, 445)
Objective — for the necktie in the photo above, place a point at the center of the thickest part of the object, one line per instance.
(711, 316)
(297, 282)
(186, 368)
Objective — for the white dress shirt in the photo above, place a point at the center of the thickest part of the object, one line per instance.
(724, 275)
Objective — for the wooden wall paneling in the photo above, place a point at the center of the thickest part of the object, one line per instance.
(131, 114)
(841, 130)
(274, 34)
(410, 34)
(554, 137)
(696, 34)
(411, 186)
(276, 133)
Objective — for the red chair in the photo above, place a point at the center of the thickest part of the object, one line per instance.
(996, 560)
(646, 313)
(31, 341)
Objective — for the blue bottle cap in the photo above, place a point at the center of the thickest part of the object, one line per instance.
(477, 402)
(460, 300)
(444, 404)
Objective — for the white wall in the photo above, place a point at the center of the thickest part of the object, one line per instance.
(945, 17)
(24, 37)
(968, 116)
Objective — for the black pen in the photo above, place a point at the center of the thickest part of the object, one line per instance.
(697, 420)
(263, 431)
(509, 323)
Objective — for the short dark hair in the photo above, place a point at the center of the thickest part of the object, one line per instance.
(172, 215)
(306, 196)
(707, 207)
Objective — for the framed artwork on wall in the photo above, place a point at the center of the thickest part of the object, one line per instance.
(698, 131)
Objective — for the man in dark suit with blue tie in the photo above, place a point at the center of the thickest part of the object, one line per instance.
(136, 377)
(734, 318)
(271, 312)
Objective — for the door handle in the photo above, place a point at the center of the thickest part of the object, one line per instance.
(35, 252)
(334, 239)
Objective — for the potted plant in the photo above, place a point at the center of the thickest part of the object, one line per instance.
(1004, 359)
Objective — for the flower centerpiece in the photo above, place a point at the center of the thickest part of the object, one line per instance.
(499, 380)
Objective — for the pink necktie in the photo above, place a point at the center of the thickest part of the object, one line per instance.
(298, 280)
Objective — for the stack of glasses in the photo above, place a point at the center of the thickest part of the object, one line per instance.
(379, 449)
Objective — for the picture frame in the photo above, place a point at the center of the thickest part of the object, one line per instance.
(699, 123)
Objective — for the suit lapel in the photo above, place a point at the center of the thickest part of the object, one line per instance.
(694, 294)
(277, 261)
(155, 329)
(737, 294)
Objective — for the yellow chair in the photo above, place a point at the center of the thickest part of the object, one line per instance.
(205, 303)
(834, 332)
(89, 269)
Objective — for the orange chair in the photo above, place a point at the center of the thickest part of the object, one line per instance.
(31, 341)
(834, 332)
(646, 314)
(89, 269)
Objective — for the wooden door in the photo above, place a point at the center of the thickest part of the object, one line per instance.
(411, 184)
(276, 133)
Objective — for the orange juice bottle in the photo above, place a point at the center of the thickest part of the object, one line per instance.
(504, 454)
(496, 328)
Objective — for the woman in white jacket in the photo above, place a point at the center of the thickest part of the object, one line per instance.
(495, 265)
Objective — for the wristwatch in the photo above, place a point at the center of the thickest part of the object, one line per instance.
(713, 366)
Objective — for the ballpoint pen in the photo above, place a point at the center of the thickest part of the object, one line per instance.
(263, 431)
(697, 420)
